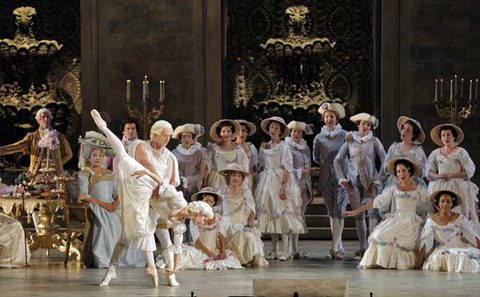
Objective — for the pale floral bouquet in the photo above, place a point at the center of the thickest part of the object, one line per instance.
(49, 140)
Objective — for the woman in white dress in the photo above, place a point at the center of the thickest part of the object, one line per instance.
(326, 145)
(450, 168)
(394, 241)
(412, 136)
(277, 196)
(224, 152)
(302, 166)
(12, 243)
(448, 238)
(247, 129)
(238, 207)
(209, 251)
(97, 187)
(136, 186)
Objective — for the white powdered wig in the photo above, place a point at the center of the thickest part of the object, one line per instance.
(158, 127)
(201, 208)
(43, 110)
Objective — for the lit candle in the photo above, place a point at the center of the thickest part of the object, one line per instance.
(436, 91)
(451, 90)
(441, 88)
(160, 91)
(456, 89)
(470, 91)
(476, 88)
(148, 95)
(129, 82)
(144, 93)
(461, 88)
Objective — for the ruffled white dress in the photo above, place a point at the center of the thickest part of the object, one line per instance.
(246, 243)
(218, 159)
(12, 243)
(454, 246)
(394, 240)
(455, 163)
(275, 215)
(193, 258)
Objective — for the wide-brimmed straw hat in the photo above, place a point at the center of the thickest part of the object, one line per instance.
(94, 138)
(363, 116)
(234, 167)
(438, 193)
(213, 129)
(264, 124)
(307, 129)
(335, 107)
(417, 171)
(210, 191)
(187, 128)
(435, 134)
(421, 136)
(251, 126)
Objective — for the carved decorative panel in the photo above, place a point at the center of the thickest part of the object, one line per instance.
(287, 57)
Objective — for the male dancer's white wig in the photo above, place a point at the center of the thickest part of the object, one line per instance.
(158, 127)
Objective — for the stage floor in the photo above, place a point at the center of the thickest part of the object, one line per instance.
(48, 277)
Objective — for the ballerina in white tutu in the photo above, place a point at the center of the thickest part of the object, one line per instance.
(448, 238)
(394, 241)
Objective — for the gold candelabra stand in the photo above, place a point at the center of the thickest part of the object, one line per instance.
(147, 110)
(456, 107)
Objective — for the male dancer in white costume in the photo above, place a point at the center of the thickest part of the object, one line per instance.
(156, 157)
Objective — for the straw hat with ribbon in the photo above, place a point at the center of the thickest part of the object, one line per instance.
(335, 107)
(421, 135)
(307, 129)
(251, 126)
(365, 117)
(265, 123)
(207, 191)
(187, 128)
(232, 123)
(435, 134)
(391, 166)
(455, 197)
(234, 167)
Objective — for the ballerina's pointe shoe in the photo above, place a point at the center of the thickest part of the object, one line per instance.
(172, 281)
(109, 276)
(152, 272)
(97, 118)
